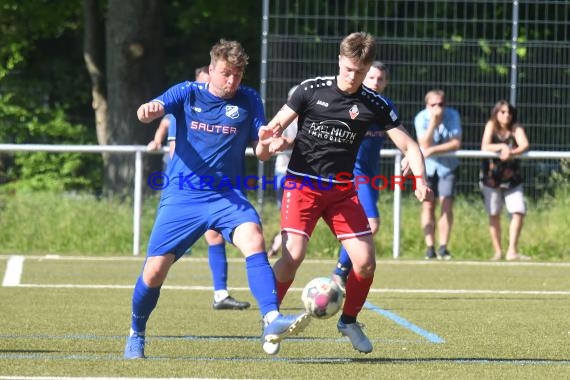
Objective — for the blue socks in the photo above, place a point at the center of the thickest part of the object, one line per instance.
(218, 265)
(344, 265)
(262, 282)
(144, 302)
(259, 274)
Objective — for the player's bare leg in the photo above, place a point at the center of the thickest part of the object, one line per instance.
(344, 265)
(294, 248)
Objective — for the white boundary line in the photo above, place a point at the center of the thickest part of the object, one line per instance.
(98, 378)
(14, 269)
(373, 290)
(13, 273)
(386, 261)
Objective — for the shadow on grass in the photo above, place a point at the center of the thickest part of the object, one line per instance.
(444, 360)
(377, 361)
(29, 351)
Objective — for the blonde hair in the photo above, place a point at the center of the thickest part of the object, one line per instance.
(359, 46)
(436, 92)
(229, 51)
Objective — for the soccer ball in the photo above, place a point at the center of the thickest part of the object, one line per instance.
(322, 298)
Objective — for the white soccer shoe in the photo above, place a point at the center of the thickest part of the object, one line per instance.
(280, 328)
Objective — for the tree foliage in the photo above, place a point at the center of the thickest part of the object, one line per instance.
(40, 171)
(46, 91)
(192, 27)
(37, 76)
(24, 24)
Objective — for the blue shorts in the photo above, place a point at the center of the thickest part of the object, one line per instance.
(183, 217)
(368, 197)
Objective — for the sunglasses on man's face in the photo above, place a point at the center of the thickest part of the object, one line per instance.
(436, 104)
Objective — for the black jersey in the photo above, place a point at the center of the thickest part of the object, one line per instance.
(332, 125)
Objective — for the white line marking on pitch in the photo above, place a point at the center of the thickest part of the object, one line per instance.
(97, 378)
(13, 271)
(308, 261)
(372, 290)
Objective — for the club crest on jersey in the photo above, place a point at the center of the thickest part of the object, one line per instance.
(393, 115)
(353, 112)
(232, 112)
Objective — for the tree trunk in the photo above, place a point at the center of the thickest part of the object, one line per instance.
(94, 57)
(135, 72)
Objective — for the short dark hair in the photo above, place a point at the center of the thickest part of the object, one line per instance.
(201, 69)
(379, 65)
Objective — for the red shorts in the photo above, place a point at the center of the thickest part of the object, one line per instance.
(305, 201)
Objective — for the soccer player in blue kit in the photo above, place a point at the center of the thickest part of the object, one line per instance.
(215, 124)
(216, 244)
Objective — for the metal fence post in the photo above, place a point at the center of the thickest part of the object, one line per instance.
(137, 199)
(514, 57)
(397, 207)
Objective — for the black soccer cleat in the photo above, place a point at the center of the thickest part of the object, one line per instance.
(230, 303)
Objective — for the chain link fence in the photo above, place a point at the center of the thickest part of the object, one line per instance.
(477, 51)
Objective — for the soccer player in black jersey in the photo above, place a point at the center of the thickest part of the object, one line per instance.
(334, 114)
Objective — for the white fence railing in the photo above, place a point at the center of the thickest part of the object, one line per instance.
(139, 150)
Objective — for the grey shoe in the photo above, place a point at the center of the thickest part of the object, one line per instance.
(353, 331)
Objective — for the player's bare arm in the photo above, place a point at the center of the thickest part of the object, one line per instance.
(150, 111)
(261, 147)
(414, 157)
(270, 140)
(159, 135)
(281, 120)
(281, 144)
(410, 148)
(405, 167)
(268, 146)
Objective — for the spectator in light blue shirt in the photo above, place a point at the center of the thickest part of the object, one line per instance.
(438, 129)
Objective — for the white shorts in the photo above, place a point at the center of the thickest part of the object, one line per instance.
(514, 200)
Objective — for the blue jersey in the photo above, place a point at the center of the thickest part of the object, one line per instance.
(368, 164)
(171, 127)
(368, 158)
(211, 135)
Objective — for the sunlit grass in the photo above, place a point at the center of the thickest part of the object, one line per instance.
(496, 320)
(81, 224)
